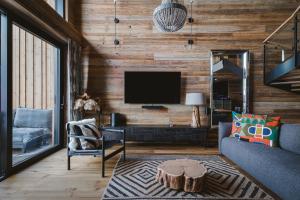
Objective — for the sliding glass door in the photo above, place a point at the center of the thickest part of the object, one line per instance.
(34, 65)
(3, 64)
(31, 98)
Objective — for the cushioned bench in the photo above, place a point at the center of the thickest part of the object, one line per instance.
(32, 128)
(277, 168)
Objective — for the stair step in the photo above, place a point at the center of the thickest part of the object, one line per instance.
(294, 78)
(295, 74)
(285, 82)
(282, 69)
(296, 85)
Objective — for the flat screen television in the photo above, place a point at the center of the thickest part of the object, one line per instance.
(152, 87)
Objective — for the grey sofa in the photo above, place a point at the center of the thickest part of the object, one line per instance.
(31, 128)
(276, 168)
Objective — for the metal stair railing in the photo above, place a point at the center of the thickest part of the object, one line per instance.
(282, 56)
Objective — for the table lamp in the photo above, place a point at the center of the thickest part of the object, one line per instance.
(195, 100)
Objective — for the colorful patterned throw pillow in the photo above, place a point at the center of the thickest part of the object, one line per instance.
(236, 124)
(264, 133)
(238, 119)
(254, 119)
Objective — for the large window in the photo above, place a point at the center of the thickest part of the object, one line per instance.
(33, 95)
(57, 5)
(3, 64)
(52, 3)
(30, 94)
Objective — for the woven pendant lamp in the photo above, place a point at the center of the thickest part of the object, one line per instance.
(170, 16)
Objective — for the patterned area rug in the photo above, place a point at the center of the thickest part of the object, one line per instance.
(135, 179)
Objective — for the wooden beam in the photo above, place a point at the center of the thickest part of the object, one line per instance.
(44, 16)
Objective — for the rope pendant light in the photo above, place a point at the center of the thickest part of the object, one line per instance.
(170, 16)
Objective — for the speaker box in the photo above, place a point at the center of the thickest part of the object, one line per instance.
(117, 119)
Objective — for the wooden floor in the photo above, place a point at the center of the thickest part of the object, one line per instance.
(50, 179)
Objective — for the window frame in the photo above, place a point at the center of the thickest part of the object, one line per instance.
(6, 92)
(60, 8)
(5, 86)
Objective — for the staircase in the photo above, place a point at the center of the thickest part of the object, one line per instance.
(282, 55)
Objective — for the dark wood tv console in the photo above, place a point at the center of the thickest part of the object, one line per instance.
(166, 134)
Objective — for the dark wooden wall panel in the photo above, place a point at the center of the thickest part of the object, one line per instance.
(226, 24)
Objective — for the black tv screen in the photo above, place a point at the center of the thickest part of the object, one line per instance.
(152, 87)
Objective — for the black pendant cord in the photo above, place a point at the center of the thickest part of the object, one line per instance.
(191, 21)
(116, 21)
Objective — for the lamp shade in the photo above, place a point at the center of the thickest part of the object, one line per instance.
(195, 99)
(170, 16)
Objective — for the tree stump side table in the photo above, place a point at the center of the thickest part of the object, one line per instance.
(182, 174)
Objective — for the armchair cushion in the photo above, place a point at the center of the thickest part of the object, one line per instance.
(75, 143)
(88, 130)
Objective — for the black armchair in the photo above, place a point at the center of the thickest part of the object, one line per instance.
(110, 137)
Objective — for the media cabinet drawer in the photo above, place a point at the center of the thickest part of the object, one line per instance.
(141, 134)
(167, 134)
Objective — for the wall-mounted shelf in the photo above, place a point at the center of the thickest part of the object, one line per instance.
(154, 107)
(222, 110)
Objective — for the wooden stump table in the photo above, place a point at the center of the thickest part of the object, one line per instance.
(182, 174)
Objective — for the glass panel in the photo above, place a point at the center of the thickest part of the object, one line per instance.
(227, 88)
(34, 64)
(1, 134)
(51, 3)
(229, 80)
(57, 5)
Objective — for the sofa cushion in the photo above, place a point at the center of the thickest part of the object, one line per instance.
(33, 118)
(274, 167)
(289, 138)
(24, 135)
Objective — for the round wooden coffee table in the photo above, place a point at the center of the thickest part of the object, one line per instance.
(182, 174)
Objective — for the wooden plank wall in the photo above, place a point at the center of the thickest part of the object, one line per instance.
(70, 11)
(226, 24)
(33, 75)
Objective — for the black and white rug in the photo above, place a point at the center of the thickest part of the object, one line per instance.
(135, 179)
